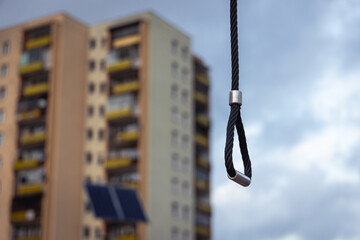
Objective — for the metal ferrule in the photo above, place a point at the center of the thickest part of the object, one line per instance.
(241, 179)
(235, 97)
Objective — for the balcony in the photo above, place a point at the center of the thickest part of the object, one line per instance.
(34, 60)
(125, 87)
(202, 120)
(23, 216)
(33, 138)
(202, 185)
(32, 67)
(201, 140)
(204, 231)
(203, 79)
(26, 164)
(35, 89)
(119, 163)
(129, 184)
(29, 115)
(200, 97)
(38, 42)
(203, 163)
(128, 136)
(206, 208)
(28, 238)
(126, 41)
(119, 114)
(29, 189)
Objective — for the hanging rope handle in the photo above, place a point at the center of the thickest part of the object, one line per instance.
(235, 102)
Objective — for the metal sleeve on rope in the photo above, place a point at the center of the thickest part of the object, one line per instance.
(235, 102)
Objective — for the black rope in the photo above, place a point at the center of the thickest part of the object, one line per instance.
(235, 115)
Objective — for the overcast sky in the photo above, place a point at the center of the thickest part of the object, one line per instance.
(300, 77)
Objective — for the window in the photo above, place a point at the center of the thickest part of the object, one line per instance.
(185, 165)
(87, 206)
(174, 210)
(6, 48)
(102, 111)
(186, 235)
(174, 138)
(185, 53)
(174, 114)
(185, 213)
(91, 88)
(184, 74)
(92, 43)
(91, 65)
(103, 42)
(2, 92)
(174, 69)
(185, 142)
(175, 161)
(185, 189)
(90, 111)
(2, 115)
(89, 134)
(184, 96)
(86, 232)
(102, 65)
(174, 47)
(1, 138)
(174, 185)
(102, 87)
(101, 134)
(174, 92)
(174, 234)
(185, 119)
(4, 70)
(98, 233)
(88, 158)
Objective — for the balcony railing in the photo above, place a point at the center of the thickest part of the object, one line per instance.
(33, 138)
(27, 238)
(201, 184)
(126, 41)
(203, 120)
(203, 163)
(128, 136)
(23, 216)
(118, 163)
(125, 87)
(203, 79)
(29, 189)
(201, 230)
(35, 89)
(29, 115)
(26, 164)
(201, 140)
(200, 97)
(38, 42)
(204, 207)
(119, 113)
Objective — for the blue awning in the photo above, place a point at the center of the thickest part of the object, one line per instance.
(115, 204)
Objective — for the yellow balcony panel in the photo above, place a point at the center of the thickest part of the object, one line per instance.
(30, 163)
(201, 184)
(203, 120)
(204, 208)
(119, 66)
(205, 231)
(38, 42)
(28, 238)
(125, 87)
(203, 163)
(129, 184)
(29, 115)
(33, 138)
(201, 140)
(32, 67)
(128, 136)
(128, 237)
(126, 41)
(200, 97)
(202, 79)
(29, 189)
(23, 216)
(120, 113)
(118, 163)
(35, 89)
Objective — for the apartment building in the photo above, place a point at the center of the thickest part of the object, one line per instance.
(122, 102)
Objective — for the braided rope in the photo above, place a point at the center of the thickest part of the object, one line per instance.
(235, 115)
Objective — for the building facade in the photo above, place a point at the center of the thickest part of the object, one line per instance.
(122, 102)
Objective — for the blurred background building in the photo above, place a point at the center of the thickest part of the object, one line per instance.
(123, 102)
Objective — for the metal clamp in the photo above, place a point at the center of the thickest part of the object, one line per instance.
(235, 97)
(241, 179)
